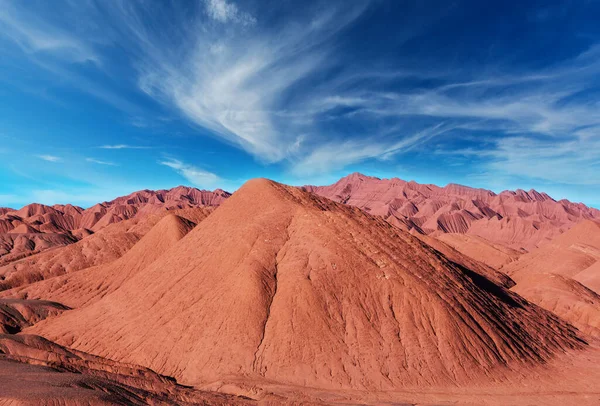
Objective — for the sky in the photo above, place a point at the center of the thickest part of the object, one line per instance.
(102, 98)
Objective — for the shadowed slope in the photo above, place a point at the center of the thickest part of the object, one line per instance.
(279, 284)
(466, 261)
(16, 314)
(14, 246)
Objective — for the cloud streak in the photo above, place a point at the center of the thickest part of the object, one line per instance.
(49, 158)
(337, 155)
(34, 35)
(100, 162)
(224, 12)
(196, 176)
(285, 91)
(123, 146)
(246, 87)
(232, 82)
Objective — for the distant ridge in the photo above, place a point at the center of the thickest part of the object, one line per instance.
(37, 227)
(522, 220)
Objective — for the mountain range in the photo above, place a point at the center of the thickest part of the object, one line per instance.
(367, 291)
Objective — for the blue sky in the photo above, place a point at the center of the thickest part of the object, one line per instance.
(101, 98)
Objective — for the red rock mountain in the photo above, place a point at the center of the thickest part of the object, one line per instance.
(279, 285)
(284, 296)
(36, 227)
(516, 219)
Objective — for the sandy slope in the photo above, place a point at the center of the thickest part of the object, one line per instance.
(35, 371)
(91, 284)
(555, 276)
(493, 255)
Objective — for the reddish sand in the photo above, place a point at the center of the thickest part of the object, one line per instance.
(16, 314)
(567, 255)
(519, 220)
(35, 371)
(91, 284)
(590, 277)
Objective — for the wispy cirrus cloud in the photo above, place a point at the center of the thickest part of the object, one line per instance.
(194, 175)
(224, 12)
(338, 154)
(123, 146)
(34, 35)
(49, 158)
(249, 92)
(100, 162)
(570, 160)
(545, 124)
(283, 90)
(232, 82)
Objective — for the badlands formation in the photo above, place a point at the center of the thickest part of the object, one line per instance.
(518, 220)
(36, 227)
(367, 291)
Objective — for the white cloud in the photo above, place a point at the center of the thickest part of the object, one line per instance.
(337, 155)
(224, 12)
(34, 35)
(573, 161)
(260, 87)
(49, 158)
(196, 176)
(122, 146)
(99, 162)
(232, 84)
